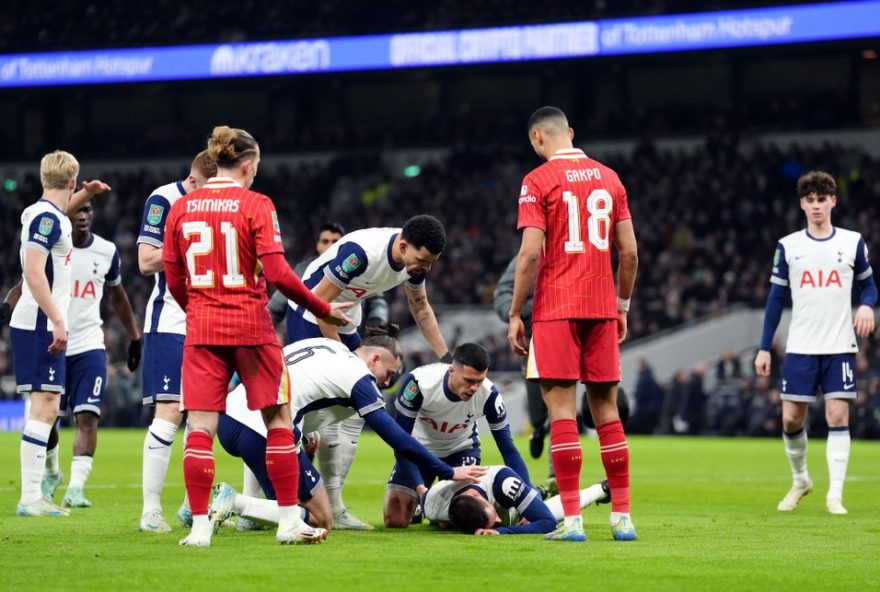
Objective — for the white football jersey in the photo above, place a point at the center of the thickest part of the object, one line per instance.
(92, 266)
(445, 424)
(436, 502)
(361, 265)
(44, 228)
(163, 314)
(820, 273)
(328, 383)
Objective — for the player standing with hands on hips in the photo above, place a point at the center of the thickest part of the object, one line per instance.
(571, 208)
(224, 242)
(818, 265)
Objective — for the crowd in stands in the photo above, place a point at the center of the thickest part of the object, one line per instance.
(707, 221)
(116, 23)
(743, 404)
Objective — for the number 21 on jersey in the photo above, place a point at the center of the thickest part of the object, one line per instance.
(599, 204)
(202, 243)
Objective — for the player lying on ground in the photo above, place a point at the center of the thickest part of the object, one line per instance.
(440, 405)
(329, 384)
(501, 493)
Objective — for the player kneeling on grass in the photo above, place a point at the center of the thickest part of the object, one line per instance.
(440, 405)
(501, 502)
(329, 384)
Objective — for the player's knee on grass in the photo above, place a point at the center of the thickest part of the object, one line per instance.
(399, 509)
(320, 512)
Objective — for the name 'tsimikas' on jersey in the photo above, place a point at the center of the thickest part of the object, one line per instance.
(46, 228)
(163, 314)
(361, 265)
(92, 266)
(820, 274)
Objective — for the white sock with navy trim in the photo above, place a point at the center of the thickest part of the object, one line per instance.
(157, 456)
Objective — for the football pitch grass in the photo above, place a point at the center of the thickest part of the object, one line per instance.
(704, 508)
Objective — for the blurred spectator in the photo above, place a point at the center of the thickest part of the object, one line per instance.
(649, 402)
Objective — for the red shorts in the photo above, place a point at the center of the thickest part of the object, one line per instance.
(584, 349)
(207, 370)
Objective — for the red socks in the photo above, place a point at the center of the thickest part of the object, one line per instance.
(615, 457)
(198, 470)
(565, 450)
(282, 465)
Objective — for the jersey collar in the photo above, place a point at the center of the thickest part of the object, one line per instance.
(476, 488)
(568, 154)
(221, 182)
(181, 188)
(43, 199)
(391, 262)
(822, 240)
(446, 391)
(89, 243)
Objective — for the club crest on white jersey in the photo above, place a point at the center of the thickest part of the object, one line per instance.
(820, 275)
(44, 228)
(445, 424)
(163, 314)
(92, 267)
(360, 264)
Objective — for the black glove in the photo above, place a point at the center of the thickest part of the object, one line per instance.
(135, 347)
(5, 314)
(447, 357)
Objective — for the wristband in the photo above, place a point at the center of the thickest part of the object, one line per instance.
(623, 304)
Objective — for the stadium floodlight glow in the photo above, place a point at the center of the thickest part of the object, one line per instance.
(10, 185)
(638, 35)
(412, 170)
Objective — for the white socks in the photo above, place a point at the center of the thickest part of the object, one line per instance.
(80, 467)
(837, 455)
(796, 450)
(588, 496)
(33, 458)
(335, 456)
(53, 467)
(251, 486)
(157, 455)
(262, 509)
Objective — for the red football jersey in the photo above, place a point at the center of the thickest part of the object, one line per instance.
(219, 232)
(576, 201)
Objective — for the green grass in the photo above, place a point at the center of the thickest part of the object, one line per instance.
(704, 509)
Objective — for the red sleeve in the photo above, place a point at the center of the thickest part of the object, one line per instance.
(175, 277)
(532, 205)
(621, 203)
(279, 274)
(267, 231)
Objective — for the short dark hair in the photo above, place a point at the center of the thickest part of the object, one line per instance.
(472, 355)
(467, 514)
(332, 226)
(542, 114)
(818, 182)
(385, 338)
(425, 231)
